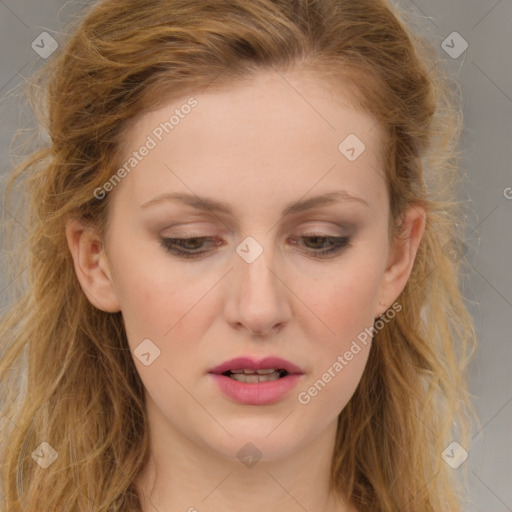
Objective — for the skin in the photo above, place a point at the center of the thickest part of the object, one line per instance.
(258, 146)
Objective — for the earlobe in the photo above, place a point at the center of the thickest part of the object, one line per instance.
(91, 265)
(401, 257)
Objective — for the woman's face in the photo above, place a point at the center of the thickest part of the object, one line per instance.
(269, 281)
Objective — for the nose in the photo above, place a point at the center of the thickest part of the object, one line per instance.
(258, 296)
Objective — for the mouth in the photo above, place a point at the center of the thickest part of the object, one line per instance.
(256, 376)
(248, 381)
(248, 369)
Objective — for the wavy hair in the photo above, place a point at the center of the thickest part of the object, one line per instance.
(66, 371)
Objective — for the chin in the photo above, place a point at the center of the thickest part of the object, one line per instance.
(249, 449)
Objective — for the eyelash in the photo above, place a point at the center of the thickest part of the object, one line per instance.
(340, 243)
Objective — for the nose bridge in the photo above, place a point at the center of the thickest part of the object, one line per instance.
(258, 278)
(258, 281)
(258, 295)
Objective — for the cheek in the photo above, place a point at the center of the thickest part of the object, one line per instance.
(326, 394)
(153, 293)
(159, 306)
(342, 345)
(344, 299)
(343, 307)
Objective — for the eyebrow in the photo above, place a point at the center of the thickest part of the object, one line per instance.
(205, 203)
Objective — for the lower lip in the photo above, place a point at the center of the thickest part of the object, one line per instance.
(261, 393)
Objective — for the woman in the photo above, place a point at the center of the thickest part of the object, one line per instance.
(241, 285)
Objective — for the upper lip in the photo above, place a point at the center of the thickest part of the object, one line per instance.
(248, 363)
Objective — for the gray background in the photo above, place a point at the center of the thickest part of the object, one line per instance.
(484, 72)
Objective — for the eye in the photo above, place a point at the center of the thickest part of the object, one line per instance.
(193, 247)
(337, 244)
(190, 244)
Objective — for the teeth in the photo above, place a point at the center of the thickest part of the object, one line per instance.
(254, 378)
(251, 372)
(264, 372)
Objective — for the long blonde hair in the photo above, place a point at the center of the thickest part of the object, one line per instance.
(67, 375)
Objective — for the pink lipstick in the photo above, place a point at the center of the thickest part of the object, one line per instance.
(256, 382)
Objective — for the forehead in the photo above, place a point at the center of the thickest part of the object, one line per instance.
(274, 132)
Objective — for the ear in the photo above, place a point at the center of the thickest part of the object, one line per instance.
(91, 265)
(401, 257)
